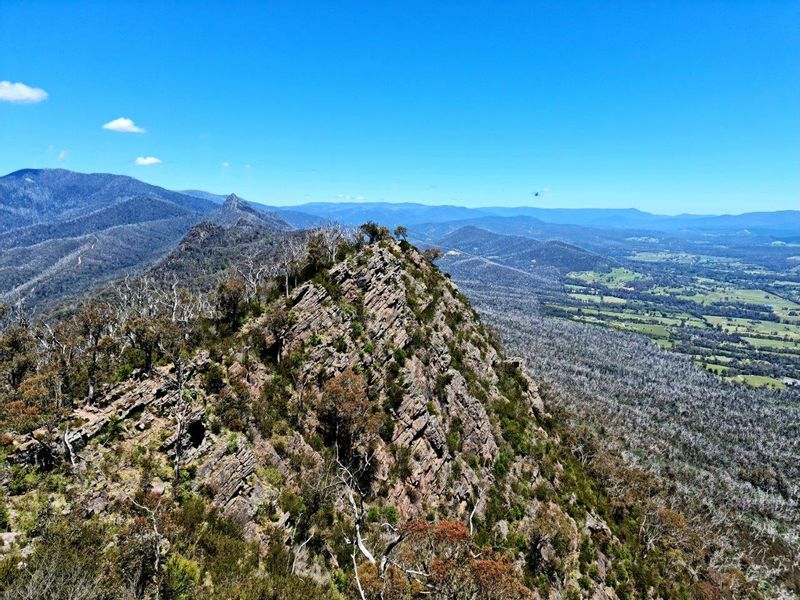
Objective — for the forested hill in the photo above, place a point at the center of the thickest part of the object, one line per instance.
(344, 426)
(63, 234)
(43, 196)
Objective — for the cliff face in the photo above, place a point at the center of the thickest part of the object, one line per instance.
(366, 426)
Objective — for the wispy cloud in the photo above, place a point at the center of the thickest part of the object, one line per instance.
(63, 154)
(146, 161)
(123, 125)
(226, 164)
(21, 93)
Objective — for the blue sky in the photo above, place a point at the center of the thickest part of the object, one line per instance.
(665, 106)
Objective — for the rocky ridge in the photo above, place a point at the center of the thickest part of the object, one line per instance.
(370, 401)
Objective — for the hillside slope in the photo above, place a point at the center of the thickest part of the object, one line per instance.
(41, 196)
(362, 436)
(60, 268)
(725, 455)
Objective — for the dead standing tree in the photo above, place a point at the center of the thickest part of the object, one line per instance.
(174, 342)
(92, 322)
(254, 270)
(331, 236)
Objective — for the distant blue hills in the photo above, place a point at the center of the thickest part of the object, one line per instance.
(409, 213)
(63, 193)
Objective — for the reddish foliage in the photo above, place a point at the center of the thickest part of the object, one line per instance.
(451, 532)
(416, 530)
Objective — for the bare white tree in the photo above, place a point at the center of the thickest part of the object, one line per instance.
(254, 270)
(293, 250)
(332, 235)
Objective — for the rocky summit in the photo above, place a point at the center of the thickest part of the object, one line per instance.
(350, 430)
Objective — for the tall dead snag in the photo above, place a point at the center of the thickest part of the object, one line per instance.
(173, 344)
(278, 323)
(355, 499)
(329, 238)
(175, 330)
(348, 423)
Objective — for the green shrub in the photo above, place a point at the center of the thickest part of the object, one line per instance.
(402, 467)
(387, 430)
(440, 385)
(233, 444)
(271, 410)
(22, 479)
(400, 356)
(111, 431)
(4, 523)
(214, 379)
(502, 464)
(181, 575)
(454, 441)
(291, 503)
(390, 514)
(123, 372)
(372, 514)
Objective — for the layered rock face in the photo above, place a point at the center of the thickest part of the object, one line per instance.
(436, 400)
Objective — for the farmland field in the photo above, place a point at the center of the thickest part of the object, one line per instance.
(739, 321)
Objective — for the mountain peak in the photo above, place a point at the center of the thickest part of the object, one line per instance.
(235, 210)
(234, 202)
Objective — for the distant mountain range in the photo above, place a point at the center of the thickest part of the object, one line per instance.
(410, 214)
(42, 196)
(62, 232)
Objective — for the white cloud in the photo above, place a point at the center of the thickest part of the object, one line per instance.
(123, 125)
(146, 161)
(21, 93)
(226, 164)
(63, 154)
